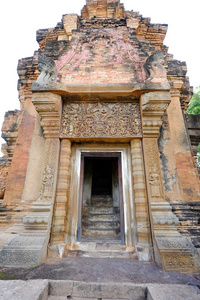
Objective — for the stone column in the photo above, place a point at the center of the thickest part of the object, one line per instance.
(61, 202)
(30, 248)
(141, 204)
(171, 250)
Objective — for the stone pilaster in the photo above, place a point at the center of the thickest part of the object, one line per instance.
(141, 204)
(30, 248)
(171, 250)
(61, 202)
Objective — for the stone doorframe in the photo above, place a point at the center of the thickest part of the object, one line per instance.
(136, 220)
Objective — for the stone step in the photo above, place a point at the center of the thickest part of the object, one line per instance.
(100, 253)
(102, 238)
(103, 245)
(96, 290)
(99, 197)
(101, 217)
(101, 203)
(99, 209)
(100, 224)
(60, 290)
(94, 231)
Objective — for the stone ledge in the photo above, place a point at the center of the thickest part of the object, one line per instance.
(63, 289)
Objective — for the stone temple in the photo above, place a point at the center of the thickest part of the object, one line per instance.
(98, 162)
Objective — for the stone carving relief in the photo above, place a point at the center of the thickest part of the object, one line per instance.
(119, 48)
(154, 181)
(172, 243)
(153, 163)
(178, 261)
(24, 241)
(155, 70)
(47, 182)
(46, 189)
(3, 180)
(45, 107)
(19, 257)
(100, 119)
(48, 71)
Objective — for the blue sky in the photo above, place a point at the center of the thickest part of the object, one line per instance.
(20, 19)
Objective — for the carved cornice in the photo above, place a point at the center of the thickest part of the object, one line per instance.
(154, 105)
(176, 84)
(48, 105)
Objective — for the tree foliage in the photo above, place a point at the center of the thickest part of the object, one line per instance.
(194, 106)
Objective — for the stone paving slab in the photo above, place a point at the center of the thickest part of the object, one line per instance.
(23, 290)
(63, 290)
(98, 289)
(173, 292)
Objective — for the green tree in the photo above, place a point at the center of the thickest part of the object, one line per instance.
(194, 106)
(194, 109)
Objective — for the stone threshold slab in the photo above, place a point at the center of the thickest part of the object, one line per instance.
(63, 289)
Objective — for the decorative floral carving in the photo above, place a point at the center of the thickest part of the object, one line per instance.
(178, 261)
(48, 71)
(45, 107)
(23, 241)
(172, 243)
(19, 257)
(101, 119)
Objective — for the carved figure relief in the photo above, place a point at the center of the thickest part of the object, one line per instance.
(100, 119)
(153, 168)
(48, 71)
(118, 49)
(3, 181)
(154, 68)
(154, 181)
(46, 189)
(47, 182)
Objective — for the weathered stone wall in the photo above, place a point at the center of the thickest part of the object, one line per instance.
(179, 171)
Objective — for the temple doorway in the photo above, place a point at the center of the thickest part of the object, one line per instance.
(101, 216)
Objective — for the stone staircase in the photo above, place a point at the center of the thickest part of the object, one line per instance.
(101, 231)
(100, 220)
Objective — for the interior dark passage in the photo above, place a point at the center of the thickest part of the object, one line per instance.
(101, 177)
(101, 200)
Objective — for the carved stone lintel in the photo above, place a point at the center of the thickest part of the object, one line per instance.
(101, 119)
(48, 71)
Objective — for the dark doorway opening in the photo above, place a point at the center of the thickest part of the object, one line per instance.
(101, 210)
(101, 176)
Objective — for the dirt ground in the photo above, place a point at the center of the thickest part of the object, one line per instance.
(100, 270)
